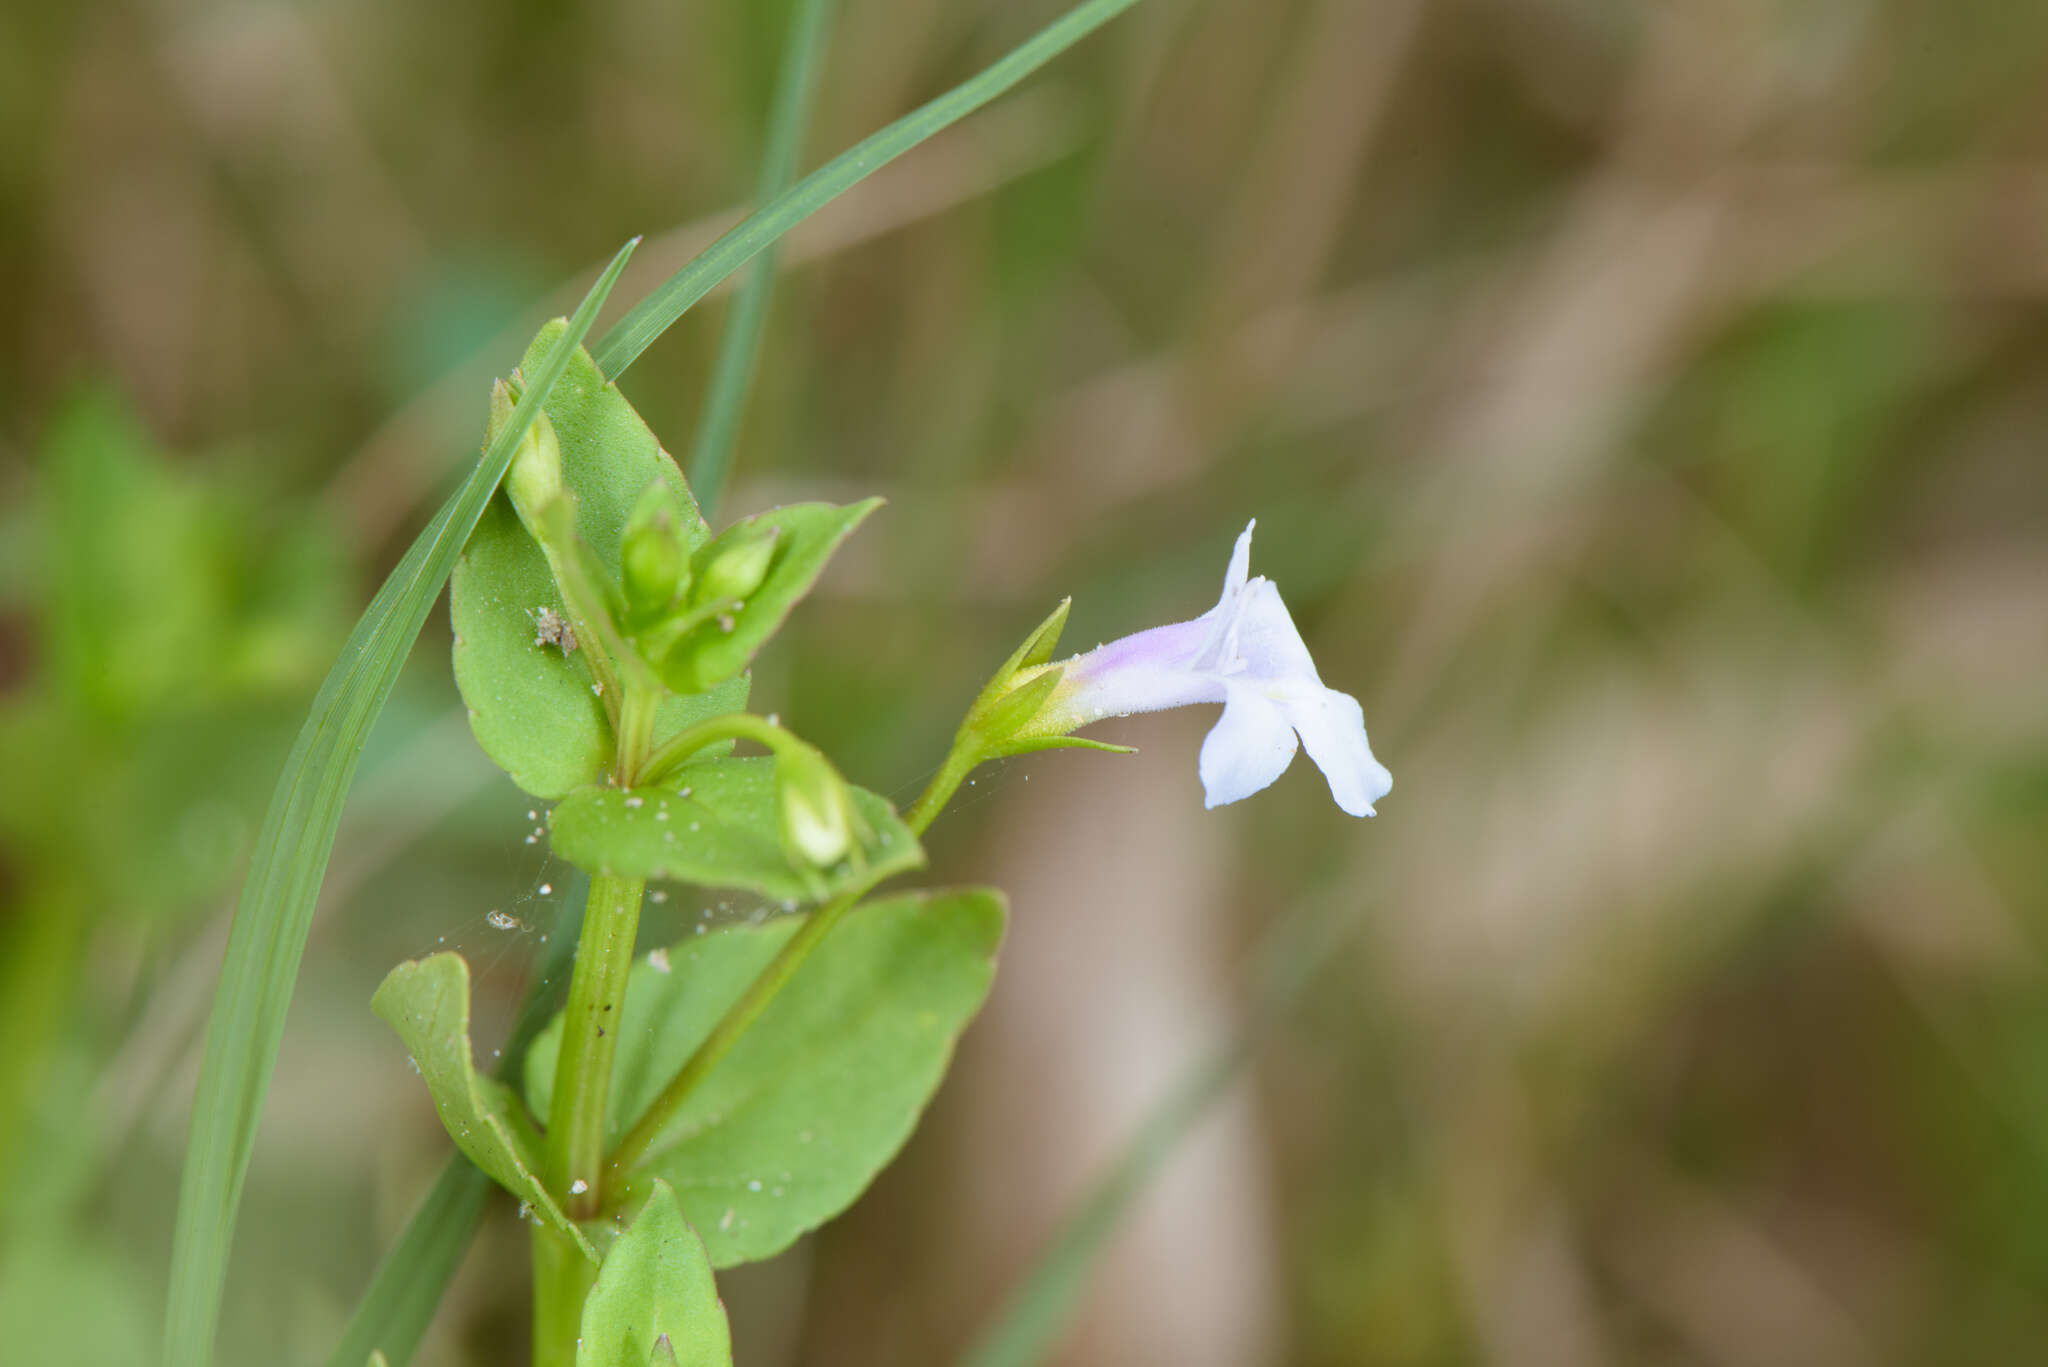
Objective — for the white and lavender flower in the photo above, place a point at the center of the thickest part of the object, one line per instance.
(1246, 654)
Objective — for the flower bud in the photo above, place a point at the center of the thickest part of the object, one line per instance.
(819, 824)
(535, 478)
(733, 564)
(652, 565)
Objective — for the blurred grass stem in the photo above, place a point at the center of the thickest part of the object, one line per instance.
(668, 301)
(740, 348)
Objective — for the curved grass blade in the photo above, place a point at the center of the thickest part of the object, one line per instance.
(276, 907)
(402, 1297)
(738, 350)
(652, 316)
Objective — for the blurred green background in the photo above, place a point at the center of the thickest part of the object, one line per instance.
(1643, 408)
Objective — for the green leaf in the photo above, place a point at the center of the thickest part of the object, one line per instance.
(652, 316)
(715, 823)
(806, 535)
(819, 1095)
(427, 1003)
(377, 1359)
(655, 1299)
(275, 912)
(531, 704)
(415, 1271)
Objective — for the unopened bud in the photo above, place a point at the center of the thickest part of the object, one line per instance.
(652, 566)
(819, 824)
(535, 479)
(734, 563)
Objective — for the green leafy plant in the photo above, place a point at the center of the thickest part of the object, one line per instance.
(744, 1085)
(706, 1103)
(601, 639)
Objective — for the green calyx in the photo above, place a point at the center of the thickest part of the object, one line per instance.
(999, 724)
(1001, 721)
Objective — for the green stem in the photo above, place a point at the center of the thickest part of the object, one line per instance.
(688, 741)
(562, 1278)
(763, 990)
(583, 1073)
(637, 711)
(960, 762)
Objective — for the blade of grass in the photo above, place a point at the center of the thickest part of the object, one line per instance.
(652, 316)
(795, 89)
(413, 1276)
(414, 1273)
(272, 917)
(1037, 1313)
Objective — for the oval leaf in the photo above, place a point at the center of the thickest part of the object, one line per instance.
(714, 823)
(655, 1300)
(530, 702)
(819, 1095)
(427, 1003)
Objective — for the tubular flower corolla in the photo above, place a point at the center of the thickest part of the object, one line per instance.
(1246, 654)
